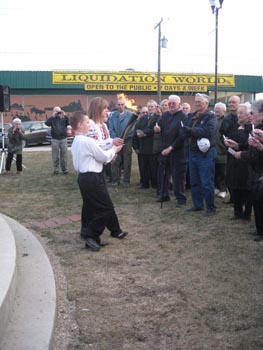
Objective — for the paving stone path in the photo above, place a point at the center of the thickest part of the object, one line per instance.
(53, 222)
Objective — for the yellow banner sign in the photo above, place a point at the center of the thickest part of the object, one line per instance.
(145, 88)
(139, 81)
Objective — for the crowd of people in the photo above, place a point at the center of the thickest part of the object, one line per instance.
(211, 152)
(214, 151)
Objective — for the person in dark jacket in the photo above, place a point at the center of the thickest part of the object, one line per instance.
(201, 124)
(228, 127)
(145, 133)
(254, 158)
(237, 169)
(59, 144)
(221, 158)
(15, 146)
(136, 141)
(173, 159)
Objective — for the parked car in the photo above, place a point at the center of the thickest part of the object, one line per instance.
(36, 133)
(70, 135)
(6, 126)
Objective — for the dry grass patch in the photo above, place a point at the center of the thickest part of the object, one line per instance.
(179, 281)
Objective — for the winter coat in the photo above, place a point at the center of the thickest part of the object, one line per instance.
(15, 144)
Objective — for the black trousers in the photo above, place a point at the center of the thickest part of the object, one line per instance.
(242, 203)
(97, 209)
(9, 161)
(148, 171)
(258, 210)
(220, 177)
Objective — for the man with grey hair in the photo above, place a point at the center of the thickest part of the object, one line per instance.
(201, 125)
(117, 124)
(173, 158)
(228, 129)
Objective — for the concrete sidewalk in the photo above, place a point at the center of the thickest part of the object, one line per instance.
(29, 307)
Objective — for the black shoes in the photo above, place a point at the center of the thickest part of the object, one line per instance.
(92, 244)
(228, 202)
(98, 241)
(119, 235)
(164, 199)
(253, 233)
(259, 238)
(209, 213)
(193, 209)
(180, 205)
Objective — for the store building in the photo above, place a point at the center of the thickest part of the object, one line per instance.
(33, 94)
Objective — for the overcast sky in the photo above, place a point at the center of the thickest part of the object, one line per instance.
(117, 35)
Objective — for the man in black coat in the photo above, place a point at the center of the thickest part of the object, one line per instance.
(173, 157)
(228, 129)
(145, 133)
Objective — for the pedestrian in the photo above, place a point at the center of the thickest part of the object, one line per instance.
(136, 142)
(144, 129)
(200, 130)
(15, 146)
(59, 143)
(117, 124)
(228, 129)
(88, 160)
(253, 157)
(221, 158)
(238, 170)
(173, 152)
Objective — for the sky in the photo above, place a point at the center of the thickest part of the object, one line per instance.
(116, 35)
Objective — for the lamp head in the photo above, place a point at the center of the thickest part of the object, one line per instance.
(221, 3)
(213, 5)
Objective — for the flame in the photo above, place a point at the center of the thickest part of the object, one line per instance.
(129, 103)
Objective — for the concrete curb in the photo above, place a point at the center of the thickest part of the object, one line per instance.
(32, 310)
(7, 273)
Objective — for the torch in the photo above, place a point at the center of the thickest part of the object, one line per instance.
(129, 126)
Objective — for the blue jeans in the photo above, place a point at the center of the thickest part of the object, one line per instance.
(202, 175)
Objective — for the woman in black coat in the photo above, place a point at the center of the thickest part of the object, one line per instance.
(237, 170)
(254, 158)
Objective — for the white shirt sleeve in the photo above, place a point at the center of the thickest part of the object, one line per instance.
(88, 156)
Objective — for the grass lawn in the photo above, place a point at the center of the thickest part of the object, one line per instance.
(179, 281)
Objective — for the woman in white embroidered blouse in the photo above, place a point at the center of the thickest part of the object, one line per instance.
(98, 114)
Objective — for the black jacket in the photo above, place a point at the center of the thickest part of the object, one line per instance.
(145, 144)
(171, 135)
(58, 126)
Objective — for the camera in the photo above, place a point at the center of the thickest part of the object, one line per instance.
(58, 113)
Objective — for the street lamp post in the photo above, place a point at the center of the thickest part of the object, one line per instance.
(215, 6)
(162, 43)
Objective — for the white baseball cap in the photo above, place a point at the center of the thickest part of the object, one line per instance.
(203, 144)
